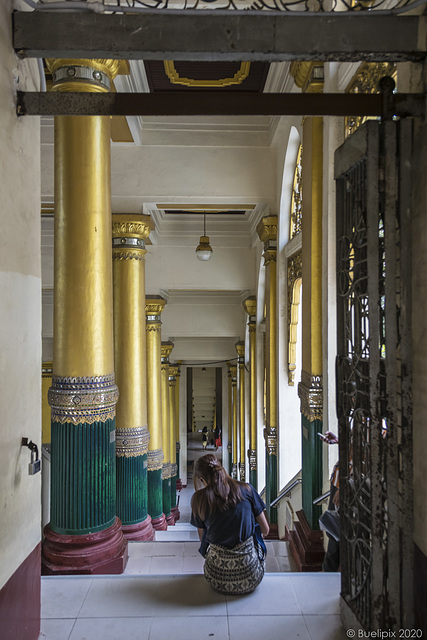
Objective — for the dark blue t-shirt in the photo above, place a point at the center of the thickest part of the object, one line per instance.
(237, 524)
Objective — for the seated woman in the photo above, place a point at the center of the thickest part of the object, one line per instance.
(225, 512)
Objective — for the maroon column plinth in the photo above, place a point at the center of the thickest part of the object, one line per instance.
(170, 520)
(306, 545)
(93, 553)
(176, 514)
(160, 523)
(179, 484)
(273, 534)
(142, 531)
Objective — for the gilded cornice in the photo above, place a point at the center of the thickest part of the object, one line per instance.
(267, 228)
(310, 392)
(131, 226)
(154, 305)
(249, 305)
(307, 75)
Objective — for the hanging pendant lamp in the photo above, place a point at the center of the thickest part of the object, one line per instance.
(204, 250)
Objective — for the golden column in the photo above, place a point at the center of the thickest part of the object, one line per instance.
(240, 348)
(230, 418)
(234, 439)
(129, 235)
(309, 76)
(173, 375)
(166, 350)
(154, 306)
(84, 534)
(249, 306)
(267, 232)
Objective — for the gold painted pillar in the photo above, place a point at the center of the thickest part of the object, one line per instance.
(129, 235)
(240, 348)
(230, 419)
(83, 394)
(173, 374)
(234, 435)
(309, 76)
(154, 306)
(249, 306)
(267, 232)
(166, 349)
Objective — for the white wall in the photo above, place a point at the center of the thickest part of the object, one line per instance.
(20, 309)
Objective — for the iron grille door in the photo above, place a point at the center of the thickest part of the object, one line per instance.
(374, 401)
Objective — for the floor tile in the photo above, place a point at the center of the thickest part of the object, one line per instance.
(111, 629)
(318, 593)
(284, 563)
(54, 629)
(274, 596)
(193, 564)
(121, 596)
(141, 549)
(280, 547)
(166, 565)
(187, 596)
(271, 564)
(190, 628)
(278, 627)
(192, 549)
(62, 597)
(325, 628)
(139, 566)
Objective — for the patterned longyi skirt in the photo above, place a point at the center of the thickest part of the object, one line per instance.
(234, 571)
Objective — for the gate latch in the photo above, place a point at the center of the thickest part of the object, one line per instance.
(34, 465)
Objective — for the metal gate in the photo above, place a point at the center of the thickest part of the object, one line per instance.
(374, 398)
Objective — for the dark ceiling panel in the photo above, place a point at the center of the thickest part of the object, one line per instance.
(159, 81)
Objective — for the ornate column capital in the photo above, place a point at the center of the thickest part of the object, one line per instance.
(166, 350)
(267, 229)
(310, 392)
(83, 74)
(308, 75)
(129, 235)
(154, 306)
(240, 348)
(233, 374)
(249, 306)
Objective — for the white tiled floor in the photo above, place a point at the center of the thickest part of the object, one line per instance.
(163, 595)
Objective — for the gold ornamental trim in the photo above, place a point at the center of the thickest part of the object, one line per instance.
(83, 399)
(154, 305)
(47, 369)
(240, 348)
(252, 457)
(108, 66)
(267, 228)
(269, 256)
(249, 306)
(155, 459)
(294, 294)
(166, 471)
(175, 78)
(174, 370)
(310, 392)
(123, 254)
(132, 442)
(270, 437)
(166, 349)
(242, 471)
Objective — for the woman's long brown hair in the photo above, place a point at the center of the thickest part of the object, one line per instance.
(220, 493)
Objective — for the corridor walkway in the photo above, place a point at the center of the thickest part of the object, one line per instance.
(163, 595)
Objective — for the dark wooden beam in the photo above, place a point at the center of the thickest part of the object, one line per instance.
(193, 103)
(220, 35)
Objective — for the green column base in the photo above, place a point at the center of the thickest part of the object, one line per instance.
(253, 478)
(132, 492)
(155, 493)
(312, 469)
(173, 491)
(166, 484)
(271, 485)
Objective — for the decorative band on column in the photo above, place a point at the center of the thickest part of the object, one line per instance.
(270, 436)
(155, 459)
(234, 470)
(132, 442)
(310, 392)
(252, 459)
(242, 470)
(174, 469)
(80, 74)
(229, 448)
(83, 400)
(178, 447)
(166, 471)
